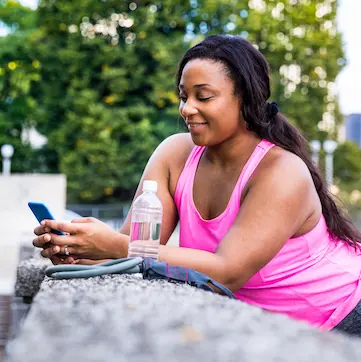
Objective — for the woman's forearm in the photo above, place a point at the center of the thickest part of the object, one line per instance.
(202, 261)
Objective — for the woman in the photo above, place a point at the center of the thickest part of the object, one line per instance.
(254, 212)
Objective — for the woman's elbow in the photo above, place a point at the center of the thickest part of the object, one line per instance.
(232, 277)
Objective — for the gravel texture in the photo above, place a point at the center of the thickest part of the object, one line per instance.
(29, 275)
(125, 318)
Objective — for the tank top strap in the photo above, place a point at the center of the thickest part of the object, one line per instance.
(189, 170)
(186, 177)
(194, 156)
(261, 150)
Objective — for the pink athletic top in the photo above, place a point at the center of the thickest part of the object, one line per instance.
(312, 278)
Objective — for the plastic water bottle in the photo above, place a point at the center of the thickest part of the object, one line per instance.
(146, 223)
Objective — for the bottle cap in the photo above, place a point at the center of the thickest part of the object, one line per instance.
(150, 185)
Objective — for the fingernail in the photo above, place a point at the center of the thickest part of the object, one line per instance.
(42, 223)
(56, 249)
(47, 238)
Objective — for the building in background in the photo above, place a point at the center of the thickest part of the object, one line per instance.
(353, 128)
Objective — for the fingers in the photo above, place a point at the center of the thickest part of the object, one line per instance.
(69, 260)
(42, 240)
(67, 227)
(61, 251)
(85, 220)
(41, 230)
(73, 260)
(62, 240)
(67, 250)
(54, 254)
(89, 261)
(50, 252)
(57, 260)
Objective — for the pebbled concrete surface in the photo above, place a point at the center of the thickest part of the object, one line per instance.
(29, 275)
(125, 318)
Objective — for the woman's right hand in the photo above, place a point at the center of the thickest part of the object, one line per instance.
(52, 251)
(85, 238)
(56, 258)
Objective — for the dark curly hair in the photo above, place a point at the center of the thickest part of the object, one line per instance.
(249, 71)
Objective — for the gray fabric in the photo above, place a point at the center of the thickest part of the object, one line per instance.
(149, 268)
(352, 323)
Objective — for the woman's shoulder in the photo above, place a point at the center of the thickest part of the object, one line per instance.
(282, 173)
(290, 172)
(279, 157)
(283, 163)
(178, 139)
(176, 150)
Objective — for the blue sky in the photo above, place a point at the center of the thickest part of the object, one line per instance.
(349, 80)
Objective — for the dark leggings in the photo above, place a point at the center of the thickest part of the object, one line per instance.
(351, 324)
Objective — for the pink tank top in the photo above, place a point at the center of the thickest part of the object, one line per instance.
(312, 278)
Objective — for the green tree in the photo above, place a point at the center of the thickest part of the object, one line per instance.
(347, 170)
(18, 70)
(106, 96)
(106, 93)
(347, 164)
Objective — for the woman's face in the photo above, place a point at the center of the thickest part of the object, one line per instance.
(208, 105)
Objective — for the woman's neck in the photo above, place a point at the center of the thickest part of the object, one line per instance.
(232, 151)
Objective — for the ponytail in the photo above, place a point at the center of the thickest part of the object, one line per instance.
(285, 135)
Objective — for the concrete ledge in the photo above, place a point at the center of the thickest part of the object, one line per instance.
(29, 275)
(126, 318)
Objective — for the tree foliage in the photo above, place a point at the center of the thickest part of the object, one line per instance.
(347, 163)
(18, 72)
(299, 40)
(97, 78)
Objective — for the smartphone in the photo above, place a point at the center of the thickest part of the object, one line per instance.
(41, 213)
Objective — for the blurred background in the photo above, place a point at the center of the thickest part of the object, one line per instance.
(87, 90)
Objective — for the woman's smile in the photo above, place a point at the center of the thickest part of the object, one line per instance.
(196, 127)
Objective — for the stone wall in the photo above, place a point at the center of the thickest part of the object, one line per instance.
(125, 318)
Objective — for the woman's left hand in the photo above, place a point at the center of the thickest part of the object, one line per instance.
(86, 238)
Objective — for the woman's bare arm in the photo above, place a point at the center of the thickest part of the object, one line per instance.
(89, 239)
(158, 169)
(276, 206)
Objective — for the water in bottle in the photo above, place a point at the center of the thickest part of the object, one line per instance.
(146, 223)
